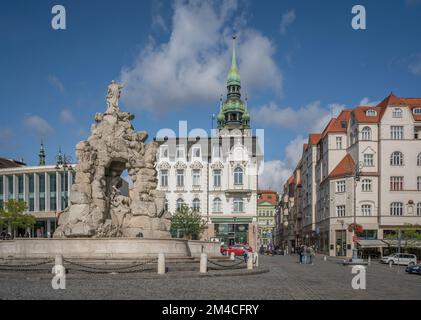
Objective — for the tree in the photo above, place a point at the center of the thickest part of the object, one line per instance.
(188, 222)
(410, 237)
(13, 215)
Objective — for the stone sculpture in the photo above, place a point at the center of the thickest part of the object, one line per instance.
(97, 207)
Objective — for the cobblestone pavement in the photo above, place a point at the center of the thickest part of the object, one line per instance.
(286, 279)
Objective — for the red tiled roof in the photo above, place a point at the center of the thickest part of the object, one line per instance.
(345, 167)
(339, 124)
(267, 196)
(314, 138)
(360, 114)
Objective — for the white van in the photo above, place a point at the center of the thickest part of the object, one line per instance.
(403, 259)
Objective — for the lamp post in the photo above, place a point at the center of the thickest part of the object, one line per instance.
(357, 177)
(63, 163)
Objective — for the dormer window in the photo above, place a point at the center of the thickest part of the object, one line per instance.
(417, 111)
(397, 113)
(371, 113)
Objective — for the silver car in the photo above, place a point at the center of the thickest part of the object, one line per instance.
(403, 259)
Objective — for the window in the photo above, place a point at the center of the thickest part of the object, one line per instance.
(196, 152)
(340, 211)
(371, 113)
(417, 111)
(238, 205)
(397, 113)
(340, 186)
(419, 209)
(366, 210)
(164, 178)
(196, 177)
(338, 142)
(53, 189)
(41, 193)
(238, 176)
(396, 159)
(196, 205)
(396, 209)
(217, 205)
(366, 185)
(180, 152)
(31, 187)
(396, 132)
(180, 204)
(164, 151)
(368, 160)
(396, 183)
(419, 183)
(216, 151)
(217, 177)
(20, 187)
(419, 160)
(180, 178)
(366, 134)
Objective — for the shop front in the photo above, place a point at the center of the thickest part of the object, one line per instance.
(231, 231)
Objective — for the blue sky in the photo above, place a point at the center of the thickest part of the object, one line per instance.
(300, 62)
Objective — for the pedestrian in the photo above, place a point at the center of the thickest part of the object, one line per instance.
(245, 256)
(312, 255)
(305, 254)
(262, 249)
(301, 252)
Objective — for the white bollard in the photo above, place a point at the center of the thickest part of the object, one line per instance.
(232, 256)
(58, 263)
(324, 258)
(256, 259)
(161, 263)
(369, 260)
(249, 261)
(203, 263)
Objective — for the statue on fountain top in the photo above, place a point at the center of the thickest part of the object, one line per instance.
(113, 95)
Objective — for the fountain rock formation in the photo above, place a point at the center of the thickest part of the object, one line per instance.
(97, 206)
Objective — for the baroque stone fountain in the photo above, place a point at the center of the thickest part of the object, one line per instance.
(98, 209)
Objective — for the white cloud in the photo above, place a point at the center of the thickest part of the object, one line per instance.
(415, 65)
(287, 19)
(66, 116)
(276, 172)
(191, 67)
(38, 126)
(54, 81)
(6, 135)
(366, 102)
(157, 19)
(312, 117)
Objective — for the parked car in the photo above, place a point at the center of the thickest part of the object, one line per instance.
(414, 269)
(404, 259)
(237, 249)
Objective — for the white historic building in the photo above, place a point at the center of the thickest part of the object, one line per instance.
(217, 175)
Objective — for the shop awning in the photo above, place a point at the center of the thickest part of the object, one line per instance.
(371, 244)
(395, 243)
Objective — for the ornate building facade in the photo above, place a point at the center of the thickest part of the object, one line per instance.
(217, 175)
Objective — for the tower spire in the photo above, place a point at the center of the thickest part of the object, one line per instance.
(41, 154)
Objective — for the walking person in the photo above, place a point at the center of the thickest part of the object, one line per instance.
(300, 253)
(305, 255)
(312, 255)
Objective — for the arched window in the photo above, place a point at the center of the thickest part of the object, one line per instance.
(238, 205)
(396, 159)
(238, 175)
(397, 113)
(419, 159)
(396, 209)
(196, 205)
(371, 113)
(217, 205)
(419, 209)
(180, 203)
(366, 134)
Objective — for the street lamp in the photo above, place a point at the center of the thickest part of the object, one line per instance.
(357, 177)
(63, 163)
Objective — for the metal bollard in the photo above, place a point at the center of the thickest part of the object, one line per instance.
(203, 263)
(249, 261)
(161, 263)
(256, 259)
(58, 263)
(232, 256)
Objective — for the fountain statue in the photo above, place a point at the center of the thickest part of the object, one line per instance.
(98, 209)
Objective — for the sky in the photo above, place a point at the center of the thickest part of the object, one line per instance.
(300, 62)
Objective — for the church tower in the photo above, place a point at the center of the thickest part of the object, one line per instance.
(41, 155)
(233, 113)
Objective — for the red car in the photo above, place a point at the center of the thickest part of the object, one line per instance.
(238, 249)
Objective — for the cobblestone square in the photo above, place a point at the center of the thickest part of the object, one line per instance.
(286, 280)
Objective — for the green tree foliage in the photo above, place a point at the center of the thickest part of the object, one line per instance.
(13, 215)
(188, 223)
(410, 237)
